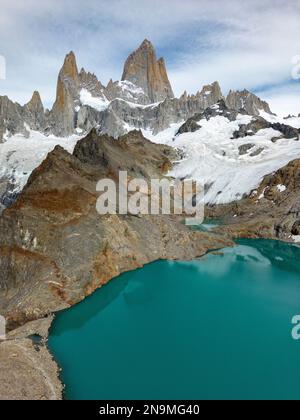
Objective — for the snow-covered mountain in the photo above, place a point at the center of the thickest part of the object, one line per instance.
(229, 144)
(229, 162)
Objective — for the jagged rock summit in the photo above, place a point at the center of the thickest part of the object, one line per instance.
(247, 101)
(143, 99)
(67, 93)
(144, 70)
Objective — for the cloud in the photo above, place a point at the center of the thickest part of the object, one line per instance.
(243, 44)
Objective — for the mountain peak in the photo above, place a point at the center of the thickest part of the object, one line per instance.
(69, 68)
(247, 101)
(35, 104)
(146, 44)
(35, 99)
(144, 70)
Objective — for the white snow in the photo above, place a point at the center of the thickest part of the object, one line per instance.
(281, 188)
(86, 98)
(19, 156)
(135, 105)
(130, 88)
(262, 195)
(165, 136)
(293, 121)
(212, 157)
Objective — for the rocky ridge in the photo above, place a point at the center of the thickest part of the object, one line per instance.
(222, 109)
(142, 99)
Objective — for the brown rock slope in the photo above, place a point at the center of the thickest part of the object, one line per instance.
(55, 249)
(272, 211)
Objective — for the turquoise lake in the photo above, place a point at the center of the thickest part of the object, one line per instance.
(215, 328)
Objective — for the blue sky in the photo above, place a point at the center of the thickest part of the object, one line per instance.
(242, 44)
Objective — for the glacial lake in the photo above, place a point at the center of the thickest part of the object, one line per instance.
(215, 328)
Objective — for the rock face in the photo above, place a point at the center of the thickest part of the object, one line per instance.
(44, 266)
(246, 101)
(144, 70)
(67, 96)
(90, 82)
(11, 118)
(35, 113)
(127, 91)
(17, 119)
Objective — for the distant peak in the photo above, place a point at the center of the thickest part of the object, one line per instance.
(35, 101)
(70, 58)
(36, 95)
(147, 44)
(69, 67)
(71, 55)
(144, 70)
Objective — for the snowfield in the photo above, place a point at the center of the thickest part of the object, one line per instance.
(212, 157)
(292, 121)
(19, 156)
(86, 98)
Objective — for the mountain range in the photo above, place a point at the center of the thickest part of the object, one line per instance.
(143, 99)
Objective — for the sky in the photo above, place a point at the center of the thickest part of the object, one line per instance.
(253, 44)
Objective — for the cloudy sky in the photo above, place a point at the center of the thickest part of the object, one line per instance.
(241, 43)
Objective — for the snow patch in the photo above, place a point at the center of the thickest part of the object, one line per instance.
(130, 87)
(281, 188)
(86, 98)
(19, 156)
